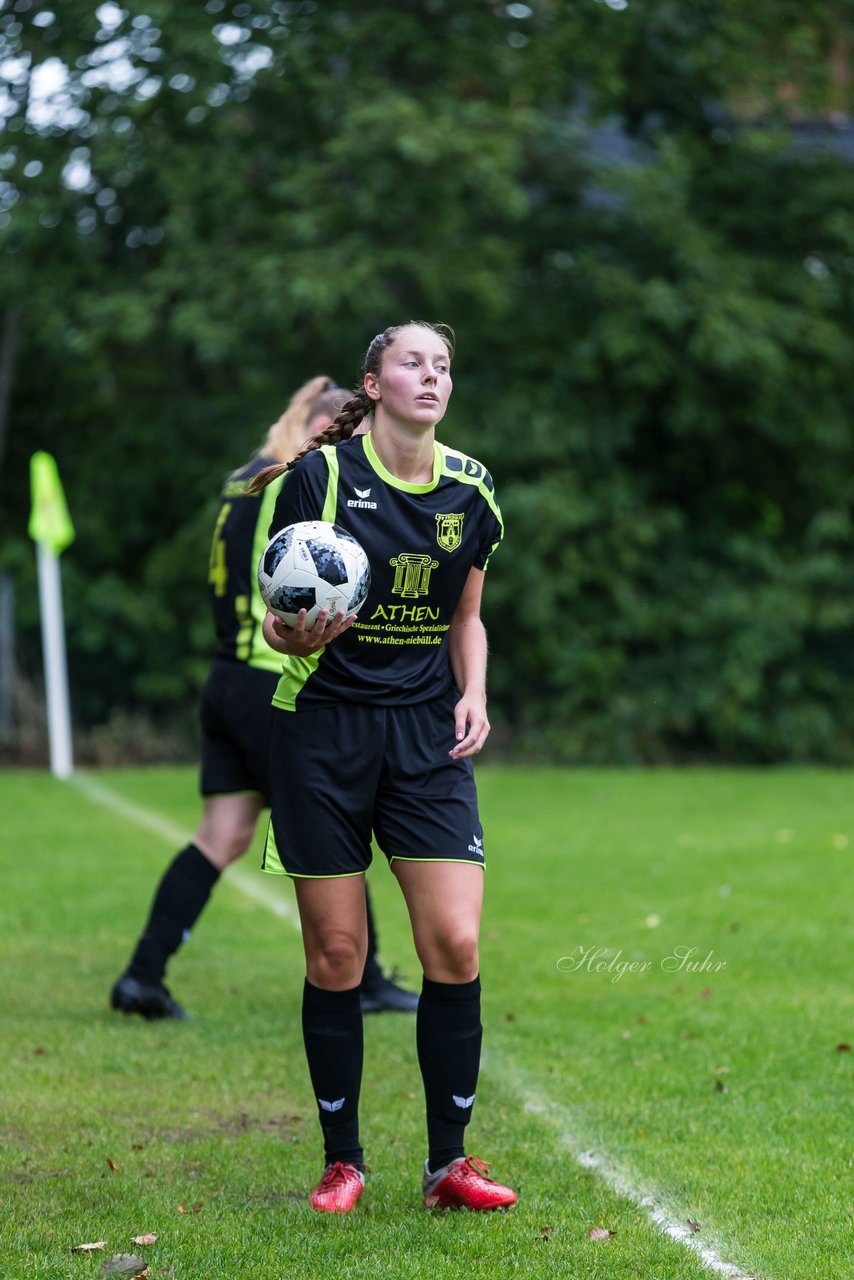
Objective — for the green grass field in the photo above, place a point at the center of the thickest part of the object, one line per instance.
(617, 1084)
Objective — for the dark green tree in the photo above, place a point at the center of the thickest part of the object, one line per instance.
(650, 274)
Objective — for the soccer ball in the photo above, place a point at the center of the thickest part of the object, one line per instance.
(313, 565)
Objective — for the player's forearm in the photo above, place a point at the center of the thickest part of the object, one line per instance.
(468, 650)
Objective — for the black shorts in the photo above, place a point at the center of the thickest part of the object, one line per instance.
(342, 773)
(235, 716)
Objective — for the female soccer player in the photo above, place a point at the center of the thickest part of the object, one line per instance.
(235, 719)
(375, 721)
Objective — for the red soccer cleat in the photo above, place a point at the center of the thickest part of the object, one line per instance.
(463, 1184)
(338, 1189)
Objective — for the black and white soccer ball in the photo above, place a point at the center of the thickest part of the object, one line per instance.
(313, 565)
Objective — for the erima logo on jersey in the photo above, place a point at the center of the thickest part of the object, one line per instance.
(361, 499)
(477, 847)
(331, 1106)
(462, 1103)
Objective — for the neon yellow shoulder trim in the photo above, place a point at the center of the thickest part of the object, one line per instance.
(459, 466)
(330, 503)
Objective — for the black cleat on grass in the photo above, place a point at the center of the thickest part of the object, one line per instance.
(150, 999)
(383, 995)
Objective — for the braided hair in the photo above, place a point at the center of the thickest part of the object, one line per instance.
(359, 406)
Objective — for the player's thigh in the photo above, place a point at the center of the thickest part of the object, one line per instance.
(334, 929)
(227, 826)
(445, 901)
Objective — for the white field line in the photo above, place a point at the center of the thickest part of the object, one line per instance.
(99, 793)
(558, 1117)
(561, 1122)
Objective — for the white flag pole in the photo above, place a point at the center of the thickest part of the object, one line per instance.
(55, 665)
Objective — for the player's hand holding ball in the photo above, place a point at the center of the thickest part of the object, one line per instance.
(300, 641)
(313, 577)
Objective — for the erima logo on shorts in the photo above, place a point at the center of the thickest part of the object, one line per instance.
(360, 499)
(331, 1106)
(477, 847)
(462, 1103)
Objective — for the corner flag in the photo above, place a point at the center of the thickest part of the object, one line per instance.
(51, 529)
(50, 522)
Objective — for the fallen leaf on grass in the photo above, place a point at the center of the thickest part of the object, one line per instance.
(695, 1226)
(125, 1264)
(148, 1238)
(720, 1087)
(843, 1048)
(705, 993)
(600, 1233)
(40, 1049)
(196, 1208)
(87, 1248)
(112, 1164)
(545, 1232)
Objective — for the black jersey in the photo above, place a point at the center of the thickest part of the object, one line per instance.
(240, 535)
(421, 541)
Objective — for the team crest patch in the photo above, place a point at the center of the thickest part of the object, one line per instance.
(449, 531)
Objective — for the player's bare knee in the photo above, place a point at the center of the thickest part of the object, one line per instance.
(239, 839)
(336, 963)
(457, 954)
(225, 844)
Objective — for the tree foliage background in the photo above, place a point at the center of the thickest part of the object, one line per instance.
(639, 217)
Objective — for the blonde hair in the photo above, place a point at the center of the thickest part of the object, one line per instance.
(288, 434)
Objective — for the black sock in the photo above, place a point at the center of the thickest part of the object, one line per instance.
(372, 973)
(448, 1034)
(178, 903)
(332, 1032)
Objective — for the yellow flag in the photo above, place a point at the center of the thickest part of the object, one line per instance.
(50, 522)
